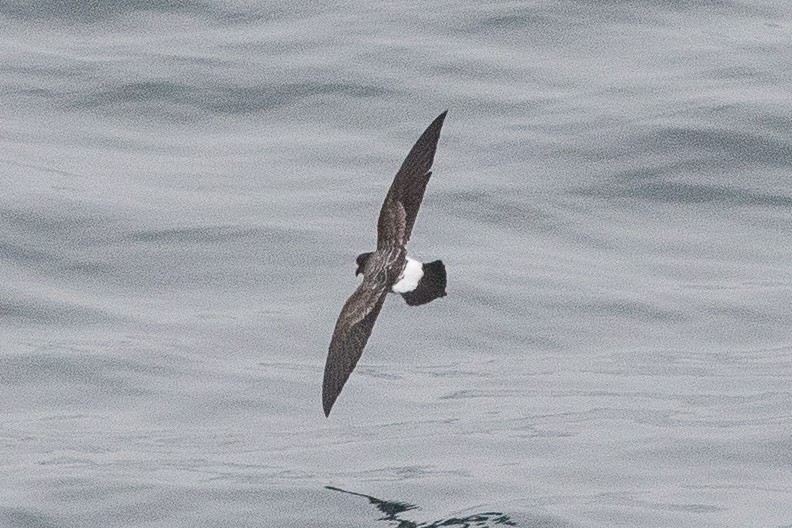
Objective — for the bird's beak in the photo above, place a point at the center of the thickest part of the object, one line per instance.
(358, 272)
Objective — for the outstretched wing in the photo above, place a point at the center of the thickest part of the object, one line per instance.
(406, 192)
(351, 333)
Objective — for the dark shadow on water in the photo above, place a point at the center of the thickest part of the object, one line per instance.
(392, 510)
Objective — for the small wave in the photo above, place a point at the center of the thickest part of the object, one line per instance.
(37, 312)
(81, 12)
(182, 101)
(688, 193)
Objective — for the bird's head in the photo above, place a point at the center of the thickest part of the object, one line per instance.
(361, 262)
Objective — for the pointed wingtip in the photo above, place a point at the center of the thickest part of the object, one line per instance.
(328, 400)
(433, 130)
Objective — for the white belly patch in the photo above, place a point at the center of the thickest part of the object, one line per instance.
(408, 281)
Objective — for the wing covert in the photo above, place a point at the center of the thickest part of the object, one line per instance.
(351, 333)
(408, 188)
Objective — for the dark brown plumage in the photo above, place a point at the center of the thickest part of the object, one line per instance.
(382, 268)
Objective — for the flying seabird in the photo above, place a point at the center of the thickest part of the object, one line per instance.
(388, 269)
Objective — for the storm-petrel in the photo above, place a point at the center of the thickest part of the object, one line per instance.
(388, 269)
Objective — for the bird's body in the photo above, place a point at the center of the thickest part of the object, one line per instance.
(388, 269)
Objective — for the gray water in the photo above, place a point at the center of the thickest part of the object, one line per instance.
(186, 184)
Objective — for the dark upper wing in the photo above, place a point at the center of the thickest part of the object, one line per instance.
(352, 330)
(407, 189)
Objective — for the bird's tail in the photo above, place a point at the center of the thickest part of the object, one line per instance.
(431, 286)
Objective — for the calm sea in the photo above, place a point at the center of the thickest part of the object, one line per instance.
(185, 184)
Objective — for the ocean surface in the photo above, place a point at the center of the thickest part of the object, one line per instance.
(185, 185)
